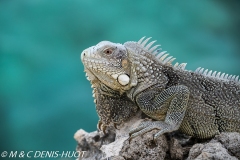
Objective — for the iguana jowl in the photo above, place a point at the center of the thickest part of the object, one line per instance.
(135, 76)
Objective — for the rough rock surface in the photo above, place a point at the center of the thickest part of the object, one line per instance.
(115, 145)
(223, 146)
(92, 142)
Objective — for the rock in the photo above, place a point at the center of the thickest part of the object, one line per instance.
(122, 134)
(89, 144)
(223, 146)
(231, 141)
(144, 147)
(176, 150)
(210, 151)
(115, 145)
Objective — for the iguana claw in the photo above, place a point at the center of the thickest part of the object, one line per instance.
(115, 125)
(148, 126)
(101, 127)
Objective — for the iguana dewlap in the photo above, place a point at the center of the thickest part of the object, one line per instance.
(134, 75)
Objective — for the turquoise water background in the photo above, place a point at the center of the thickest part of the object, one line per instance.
(44, 95)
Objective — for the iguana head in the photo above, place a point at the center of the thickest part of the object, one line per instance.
(123, 66)
(108, 62)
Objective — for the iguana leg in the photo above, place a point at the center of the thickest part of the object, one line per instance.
(169, 106)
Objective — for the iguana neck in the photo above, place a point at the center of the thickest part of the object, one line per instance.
(147, 73)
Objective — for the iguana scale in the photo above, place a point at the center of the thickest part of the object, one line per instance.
(135, 75)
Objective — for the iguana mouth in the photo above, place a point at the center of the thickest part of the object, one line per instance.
(89, 75)
(95, 64)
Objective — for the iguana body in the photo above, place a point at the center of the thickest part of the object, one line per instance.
(134, 76)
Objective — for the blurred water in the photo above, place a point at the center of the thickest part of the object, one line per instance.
(45, 96)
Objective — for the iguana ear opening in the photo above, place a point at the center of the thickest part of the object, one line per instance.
(124, 63)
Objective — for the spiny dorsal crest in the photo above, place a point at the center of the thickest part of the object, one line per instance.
(216, 74)
(164, 59)
(161, 56)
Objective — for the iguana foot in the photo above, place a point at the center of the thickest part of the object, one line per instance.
(150, 125)
(103, 127)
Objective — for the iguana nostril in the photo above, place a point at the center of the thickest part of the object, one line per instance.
(83, 54)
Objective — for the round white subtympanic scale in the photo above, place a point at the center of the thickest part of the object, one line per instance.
(123, 79)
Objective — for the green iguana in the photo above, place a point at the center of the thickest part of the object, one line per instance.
(133, 76)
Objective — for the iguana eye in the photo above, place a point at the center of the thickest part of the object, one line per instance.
(108, 51)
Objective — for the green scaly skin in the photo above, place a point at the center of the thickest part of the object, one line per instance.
(133, 76)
